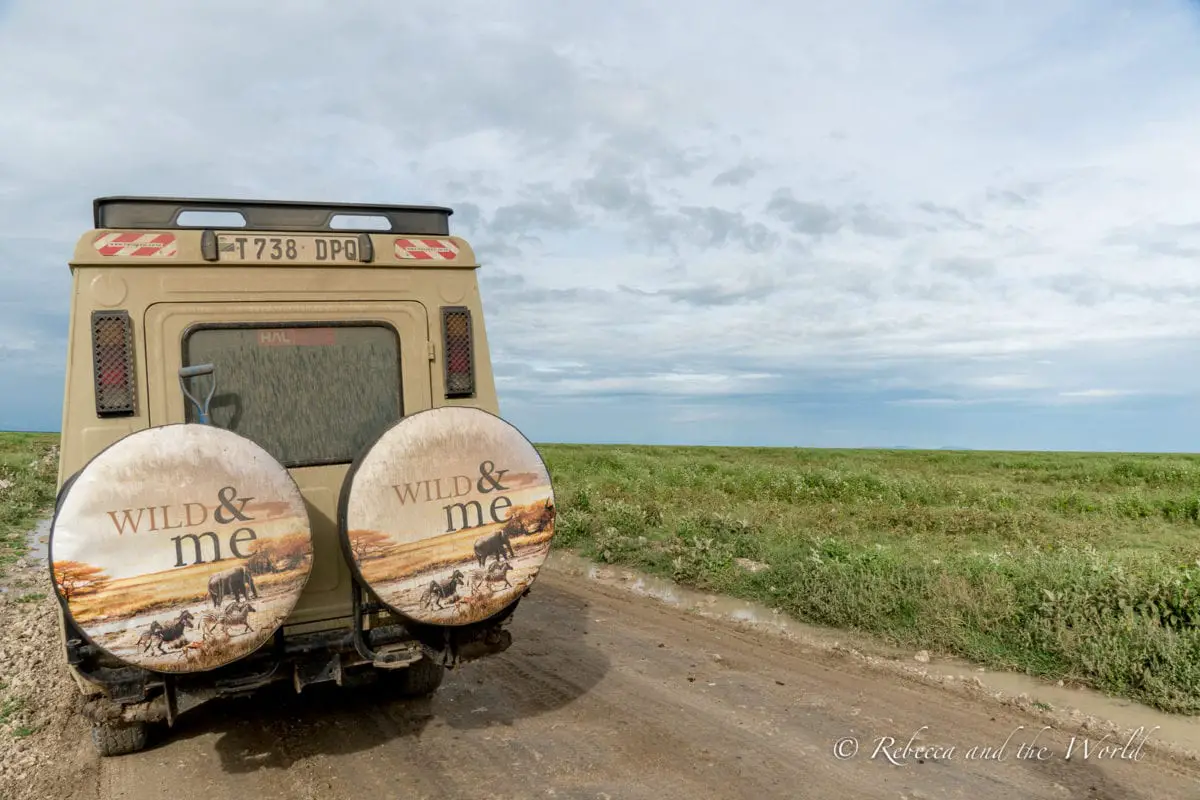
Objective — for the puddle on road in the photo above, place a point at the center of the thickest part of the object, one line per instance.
(38, 540)
(1180, 731)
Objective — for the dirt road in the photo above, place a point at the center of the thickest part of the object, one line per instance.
(608, 695)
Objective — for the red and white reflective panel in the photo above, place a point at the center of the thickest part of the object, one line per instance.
(137, 245)
(426, 249)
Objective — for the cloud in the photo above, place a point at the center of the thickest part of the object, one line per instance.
(688, 384)
(1018, 381)
(1098, 393)
(911, 218)
(740, 175)
(550, 210)
(965, 267)
(699, 415)
(802, 216)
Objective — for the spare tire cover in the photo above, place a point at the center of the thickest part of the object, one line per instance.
(180, 548)
(448, 516)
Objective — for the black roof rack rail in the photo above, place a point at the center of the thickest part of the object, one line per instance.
(151, 213)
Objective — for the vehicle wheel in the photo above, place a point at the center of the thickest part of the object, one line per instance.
(120, 739)
(421, 679)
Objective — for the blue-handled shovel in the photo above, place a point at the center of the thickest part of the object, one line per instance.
(195, 372)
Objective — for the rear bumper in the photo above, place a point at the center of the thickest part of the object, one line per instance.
(118, 693)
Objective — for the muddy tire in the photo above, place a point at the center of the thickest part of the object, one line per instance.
(119, 740)
(421, 679)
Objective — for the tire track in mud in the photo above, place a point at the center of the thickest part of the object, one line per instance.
(611, 735)
(425, 770)
(654, 734)
(593, 700)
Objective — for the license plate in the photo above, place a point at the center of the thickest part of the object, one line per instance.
(301, 247)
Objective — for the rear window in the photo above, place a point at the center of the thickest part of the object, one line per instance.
(308, 395)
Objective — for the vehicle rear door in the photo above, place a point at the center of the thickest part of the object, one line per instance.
(311, 382)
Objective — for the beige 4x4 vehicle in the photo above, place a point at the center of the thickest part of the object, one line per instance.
(281, 458)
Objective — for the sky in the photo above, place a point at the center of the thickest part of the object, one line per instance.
(790, 222)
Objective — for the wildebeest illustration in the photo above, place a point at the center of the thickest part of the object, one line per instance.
(209, 622)
(527, 524)
(260, 563)
(237, 615)
(545, 517)
(144, 640)
(233, 582)
(497, 572)
(171, 632)
(437, 591)
(497, 545)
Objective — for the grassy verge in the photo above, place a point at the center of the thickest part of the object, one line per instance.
(28, 472)
(1084, 567)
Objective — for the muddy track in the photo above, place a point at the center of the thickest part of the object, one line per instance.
(605, 694)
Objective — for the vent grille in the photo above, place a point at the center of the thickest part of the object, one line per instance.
(112, 362)
(460, 367)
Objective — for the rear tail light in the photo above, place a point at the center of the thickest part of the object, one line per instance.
(112, 362)
(456, 342)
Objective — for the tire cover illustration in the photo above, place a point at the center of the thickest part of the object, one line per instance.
(180, 548)
(448, 516)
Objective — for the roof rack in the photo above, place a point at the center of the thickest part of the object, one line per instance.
(139, 213)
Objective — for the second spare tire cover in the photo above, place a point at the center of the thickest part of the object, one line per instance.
(180, 548)
(448, 516)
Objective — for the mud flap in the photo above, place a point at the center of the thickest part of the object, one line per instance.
(447, 517)
(180, 548)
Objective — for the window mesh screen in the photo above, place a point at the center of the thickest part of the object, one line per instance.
(307, 395)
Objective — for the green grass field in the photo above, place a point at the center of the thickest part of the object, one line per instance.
(28, 468)
(1084, 567)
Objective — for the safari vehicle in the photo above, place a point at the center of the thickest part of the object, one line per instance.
(282, 458)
